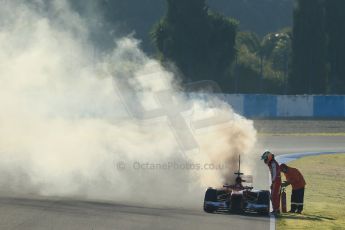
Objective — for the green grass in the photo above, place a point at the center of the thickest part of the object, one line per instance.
(324, 195)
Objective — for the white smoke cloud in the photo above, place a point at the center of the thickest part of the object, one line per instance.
(69, 117)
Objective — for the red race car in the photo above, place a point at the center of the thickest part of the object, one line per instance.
(237, 198)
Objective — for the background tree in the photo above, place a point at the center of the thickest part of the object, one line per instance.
(200, 42)
(261, 64)
(258, 16)
(309, 70)
(245, 70)
(125, 16)
(335, 26)
(248, 39)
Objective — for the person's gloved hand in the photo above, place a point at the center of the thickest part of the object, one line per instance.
(285, 184)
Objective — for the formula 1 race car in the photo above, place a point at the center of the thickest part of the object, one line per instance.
(237, 198)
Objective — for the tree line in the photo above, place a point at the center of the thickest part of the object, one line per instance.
(318, 48)
(126, 16)
(206, 45)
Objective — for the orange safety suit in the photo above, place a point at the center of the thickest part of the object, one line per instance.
(295, 178)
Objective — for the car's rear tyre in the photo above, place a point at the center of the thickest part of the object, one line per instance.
(209, 210)
(210, 195)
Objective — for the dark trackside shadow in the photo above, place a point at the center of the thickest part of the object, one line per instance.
(306, 217)
(244, 214)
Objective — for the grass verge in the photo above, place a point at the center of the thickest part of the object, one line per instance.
(324, 195)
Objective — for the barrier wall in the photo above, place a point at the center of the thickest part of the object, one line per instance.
(270, 106)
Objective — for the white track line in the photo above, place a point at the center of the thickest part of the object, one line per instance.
(272, 217)
(294, 156)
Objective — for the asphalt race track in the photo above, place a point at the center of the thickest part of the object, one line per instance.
(58, 214)
(53, 213)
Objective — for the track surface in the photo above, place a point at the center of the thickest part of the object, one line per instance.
(55, 214)
(41, 213)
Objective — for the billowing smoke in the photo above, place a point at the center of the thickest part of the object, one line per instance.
(78, 123)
